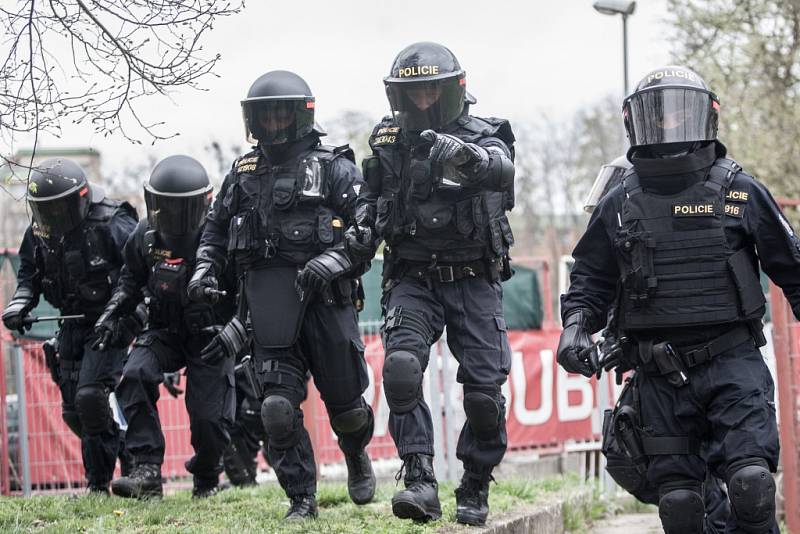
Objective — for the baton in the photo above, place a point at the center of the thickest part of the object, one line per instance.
(30, 319)
(218, 292)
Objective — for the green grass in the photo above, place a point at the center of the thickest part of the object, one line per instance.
(258, 509)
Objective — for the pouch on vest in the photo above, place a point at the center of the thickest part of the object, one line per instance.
(751, 298)
(276, 310)
(171, 279)
(283, 193)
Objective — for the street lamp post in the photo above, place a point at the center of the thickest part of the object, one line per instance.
(624, 8)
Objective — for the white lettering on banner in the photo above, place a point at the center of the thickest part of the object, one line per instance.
(541, 414)
(581, 384)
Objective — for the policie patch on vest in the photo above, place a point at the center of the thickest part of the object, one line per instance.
(737, 196)
(246, 164)
(385, 136)
(734, 210)
(697, 209)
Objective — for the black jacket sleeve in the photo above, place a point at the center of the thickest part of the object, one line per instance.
(28, 275)
(594, 276)
(214, 241)
(776, 242)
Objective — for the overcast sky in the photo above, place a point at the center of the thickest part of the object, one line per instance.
(521, 57)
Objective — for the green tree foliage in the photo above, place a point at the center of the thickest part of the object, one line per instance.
(748, 51)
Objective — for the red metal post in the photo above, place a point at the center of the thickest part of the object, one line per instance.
(787, 356)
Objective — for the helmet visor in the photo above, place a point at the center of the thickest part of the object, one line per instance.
(59, 215)
(608, 177)
(671, 115)
(426, 105)
(177, 214)
(274, 122)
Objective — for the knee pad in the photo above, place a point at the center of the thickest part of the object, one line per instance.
(751, 490)
(402, 381)
(681, 508)
(280, 422)
(483, 410)
(91, 403)
(352, 421)
(73, 421)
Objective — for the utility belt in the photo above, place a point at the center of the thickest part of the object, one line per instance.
(674, 361)
(492, 269)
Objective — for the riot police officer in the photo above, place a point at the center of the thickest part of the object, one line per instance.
(281, 211)
(626, 462)
(71, 254)
(677, 245)
(159, 257)
(438, 184)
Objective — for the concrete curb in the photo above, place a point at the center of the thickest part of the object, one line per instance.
(542, 519)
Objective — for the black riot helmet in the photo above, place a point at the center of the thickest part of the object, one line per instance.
(59, 195)
(177, 196)
(426, 87)
(279, 108)
(671, 105)
(610, 175)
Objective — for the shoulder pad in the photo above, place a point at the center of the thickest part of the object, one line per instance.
(247, 162)
(107, 208)
(346, 151)
(723, 172)
(488, 127)
(385, 133)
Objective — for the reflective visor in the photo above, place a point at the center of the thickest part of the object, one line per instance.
(426, 105)
(671, 115)
(608, 177)
(59, 215)
(274, 122)
(174, 214)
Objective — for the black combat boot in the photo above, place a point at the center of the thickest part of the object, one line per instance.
(143, 482)
(420, 500)
(204, 487)
(472, 499)
(240, 468)
(302, 507)
(360, 477)
(97, 489)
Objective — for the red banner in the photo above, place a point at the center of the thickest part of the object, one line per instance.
(545, 407)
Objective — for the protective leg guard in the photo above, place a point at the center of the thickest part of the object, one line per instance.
(751, 490)
(483, 411)
(681, 507)
(91, 403)
(402, 381)
(72, 419)
(280, 422)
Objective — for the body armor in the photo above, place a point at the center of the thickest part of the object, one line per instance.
(280, 212)
(168, 304)
(79, 270)
(676, 265)
(421, 212)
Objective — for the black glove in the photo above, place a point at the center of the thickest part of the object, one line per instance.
(576, 352)
(203, 286)
(227, 343)
(450, 150)
(612, 355)
(171, 382)
(360, 245)
(322, 270)
(16, 311)
(130, 326)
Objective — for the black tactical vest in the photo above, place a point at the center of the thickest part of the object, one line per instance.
(80, 270)
(420, 212)
(168, 305)
(280, 213)
(676, 266)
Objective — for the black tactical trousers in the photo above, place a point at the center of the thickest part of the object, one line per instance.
(472, 310)
(247, 431)
(210, 399)
(330, 348)
(88, 376)
(728, 403)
